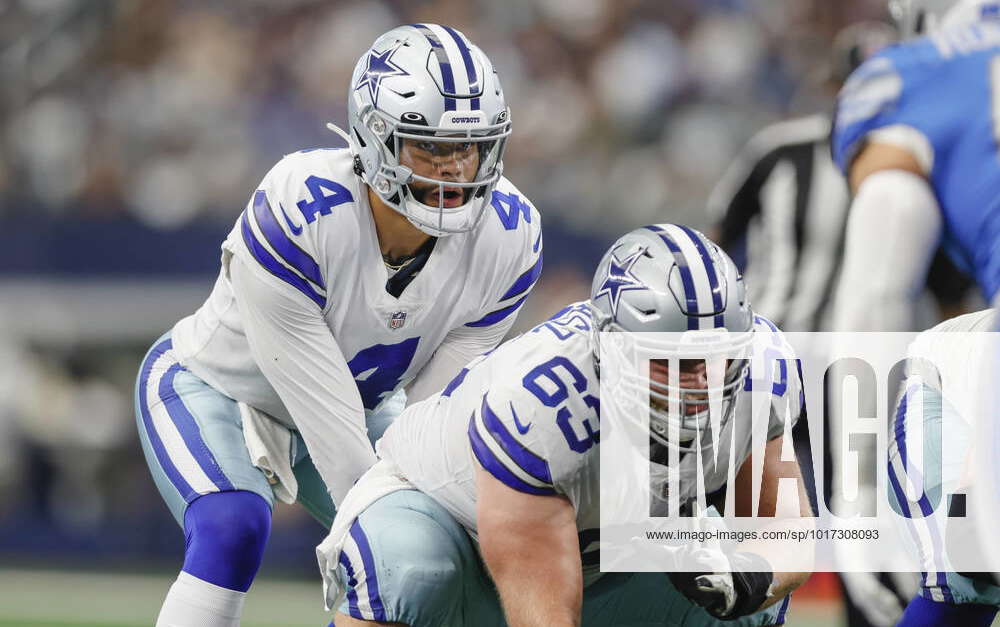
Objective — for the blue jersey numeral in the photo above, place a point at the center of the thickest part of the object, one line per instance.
(579, 438)
(322, 201)
(563, 324)
(509, 207)
(378, 369)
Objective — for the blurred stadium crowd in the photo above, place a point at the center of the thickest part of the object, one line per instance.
(132, 133)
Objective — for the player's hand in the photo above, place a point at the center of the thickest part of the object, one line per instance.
(728, 587)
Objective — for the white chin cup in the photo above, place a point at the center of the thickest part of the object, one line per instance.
(441, 221)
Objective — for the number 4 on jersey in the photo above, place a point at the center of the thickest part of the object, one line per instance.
(509, 207)
(322, 201)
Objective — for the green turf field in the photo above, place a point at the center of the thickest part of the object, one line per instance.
(48, 598)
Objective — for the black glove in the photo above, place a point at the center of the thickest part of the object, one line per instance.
(728, 595)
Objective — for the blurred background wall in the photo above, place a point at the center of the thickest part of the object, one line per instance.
(133, 132)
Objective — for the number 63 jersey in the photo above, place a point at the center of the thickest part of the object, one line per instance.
(529, 414)
(939, 98)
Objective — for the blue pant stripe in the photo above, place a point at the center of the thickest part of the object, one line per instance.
(189, 430)
(924, 504)
(352, 580)
(371, 579)
(162, 457)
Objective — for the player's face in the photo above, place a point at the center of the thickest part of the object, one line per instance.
(444, 161)
(693, 376)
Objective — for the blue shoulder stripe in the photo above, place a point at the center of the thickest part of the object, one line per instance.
(525, 281)
(519, 454)
(496, 316)
(496, 468)
(281, 243)
(274, 266)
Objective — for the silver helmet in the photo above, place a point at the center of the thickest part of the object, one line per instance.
(918, 17)
(671, 279)
(425, 89)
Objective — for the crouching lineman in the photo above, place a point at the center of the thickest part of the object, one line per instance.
(945, 419)
(494, 520)
(351, 274)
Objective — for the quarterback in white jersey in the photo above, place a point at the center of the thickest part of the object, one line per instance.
(353, 274)
(505, 462)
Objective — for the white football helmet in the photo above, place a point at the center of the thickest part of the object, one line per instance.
(919, 17)
(425, 89)
(669, 278)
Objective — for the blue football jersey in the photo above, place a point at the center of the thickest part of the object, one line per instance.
(945, 86)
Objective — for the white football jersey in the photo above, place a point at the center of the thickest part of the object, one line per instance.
(529, 413)
(300, 324)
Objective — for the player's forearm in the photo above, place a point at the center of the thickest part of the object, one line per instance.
(293, 347)
(538, 601)
(892, 232)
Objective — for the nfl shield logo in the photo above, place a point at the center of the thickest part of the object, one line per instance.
(397, 320)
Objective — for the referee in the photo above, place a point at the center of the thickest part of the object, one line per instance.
(781, 214)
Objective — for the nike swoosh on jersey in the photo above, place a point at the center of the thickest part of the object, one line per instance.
(522, 429)
(295, 229)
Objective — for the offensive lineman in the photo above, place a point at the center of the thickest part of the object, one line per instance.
(519, 480)
(350, 275)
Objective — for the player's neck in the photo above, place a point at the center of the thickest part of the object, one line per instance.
(397, 237)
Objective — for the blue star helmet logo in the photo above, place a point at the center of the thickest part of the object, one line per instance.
(620, 279)
(380, 66)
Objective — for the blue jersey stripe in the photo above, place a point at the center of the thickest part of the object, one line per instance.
(274, 266)
(352, 594)
(710, 270)
(525, 281)
(496, 316)
(281, 243)
(454, 383)
(496, 468)
(371, 579)
(186, 491)
(528, 461)
(190, 432)
(690, 295)
(447, 75)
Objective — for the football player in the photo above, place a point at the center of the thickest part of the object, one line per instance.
(916, 133)
(484, 507)
(945, 418)
(351, 275)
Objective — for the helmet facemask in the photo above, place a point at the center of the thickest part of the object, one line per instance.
(471, 158)
(681, 409)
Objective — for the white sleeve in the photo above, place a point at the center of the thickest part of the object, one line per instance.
(294, 348)
(893, 229)
(459, 347)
